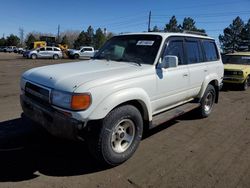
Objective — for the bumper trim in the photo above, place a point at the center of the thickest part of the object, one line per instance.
(53, 121)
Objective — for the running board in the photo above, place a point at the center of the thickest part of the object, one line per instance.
(173, 113)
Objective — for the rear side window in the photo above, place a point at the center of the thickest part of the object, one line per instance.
(211, 53)
(175, 48)
(194, 54)
(49, 49)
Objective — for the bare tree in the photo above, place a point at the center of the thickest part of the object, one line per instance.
(71, 36)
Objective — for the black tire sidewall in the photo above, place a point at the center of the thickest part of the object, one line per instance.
(55, 57)
(124, 112)
(33, 55)
(76, 56)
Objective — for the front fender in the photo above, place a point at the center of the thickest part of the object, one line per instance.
(119, 98)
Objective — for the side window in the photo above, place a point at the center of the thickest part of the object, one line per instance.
(88, 49)
(175, 48)
(49, 49)
(194, 54)
(211, 52)
(42, 49)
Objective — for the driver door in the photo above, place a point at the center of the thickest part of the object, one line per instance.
(172, 83)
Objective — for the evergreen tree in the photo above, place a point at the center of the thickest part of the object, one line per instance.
(2, 42)
(90, 36)
(99, 38)
(81, 40)
(245, 36)
(12, 40)
(30, 39)
(172, 25)
(231, 40)
(155, 29)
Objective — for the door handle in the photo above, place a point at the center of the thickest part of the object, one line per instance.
(205, 70)
(185, 75)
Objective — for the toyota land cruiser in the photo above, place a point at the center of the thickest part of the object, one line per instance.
(134, 82)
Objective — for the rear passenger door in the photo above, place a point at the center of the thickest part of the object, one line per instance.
(196, 66)
(212, 58)
(50, 52)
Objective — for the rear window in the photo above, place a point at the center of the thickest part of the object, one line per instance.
(211, 53)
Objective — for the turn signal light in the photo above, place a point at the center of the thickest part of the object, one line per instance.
(80, 101)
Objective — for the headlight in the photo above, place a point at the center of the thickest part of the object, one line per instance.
(71, 101)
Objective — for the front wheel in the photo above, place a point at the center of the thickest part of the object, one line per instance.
(245, 85)
(207, 101)
(118, 137)
(33, 56)
(76, 56)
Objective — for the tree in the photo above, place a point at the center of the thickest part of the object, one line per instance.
(245, 37)
(99, 38)
(30, 39)
(231, 40)
(12, 40)
(172, 25)
(90, 36)
(81, 40)
(65, 40)
(72, 35)
(2, 41)
(155, 29)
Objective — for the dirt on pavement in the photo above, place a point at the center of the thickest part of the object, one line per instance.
(186, 152)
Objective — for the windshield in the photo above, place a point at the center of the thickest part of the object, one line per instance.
(236, 59)
(141, 49)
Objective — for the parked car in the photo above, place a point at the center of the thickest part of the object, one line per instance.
(2, 48)
(237, 69)
(85, 52)
(134, 82)
(20, 50)
(9, 49)
(44, 52)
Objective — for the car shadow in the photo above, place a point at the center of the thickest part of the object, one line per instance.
(26, 151)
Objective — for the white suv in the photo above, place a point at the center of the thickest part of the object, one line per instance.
(135, 82)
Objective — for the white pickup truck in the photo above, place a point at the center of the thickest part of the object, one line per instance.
(84, 52)
(135, 82)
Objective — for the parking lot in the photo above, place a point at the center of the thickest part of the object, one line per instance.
(185, 152)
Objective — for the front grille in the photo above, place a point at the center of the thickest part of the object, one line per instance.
(37, 93)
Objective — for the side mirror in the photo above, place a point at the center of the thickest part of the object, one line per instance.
(168, 61)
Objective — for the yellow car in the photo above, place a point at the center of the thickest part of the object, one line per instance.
(237, 69)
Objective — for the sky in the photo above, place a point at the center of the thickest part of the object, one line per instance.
(117, 16)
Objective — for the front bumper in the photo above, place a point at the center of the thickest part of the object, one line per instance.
(233, 80)
(55, 122)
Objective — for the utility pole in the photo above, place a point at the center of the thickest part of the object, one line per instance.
(58, 33)
(149, 21)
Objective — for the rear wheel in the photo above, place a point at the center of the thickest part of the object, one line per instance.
(207, 101)
(119, 136)
(33, 56)
(55, 56)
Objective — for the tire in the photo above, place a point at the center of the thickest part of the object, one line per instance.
(207, 102)
(76, 56)
(245, 84)
(33, 56)
(119, 136)
(55, 57)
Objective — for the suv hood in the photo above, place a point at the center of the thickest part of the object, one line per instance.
(69, 76)
(236, 67)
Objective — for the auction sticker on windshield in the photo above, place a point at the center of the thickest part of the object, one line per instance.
(145, 43)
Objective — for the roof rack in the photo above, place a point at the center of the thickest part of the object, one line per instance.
(194, 32)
